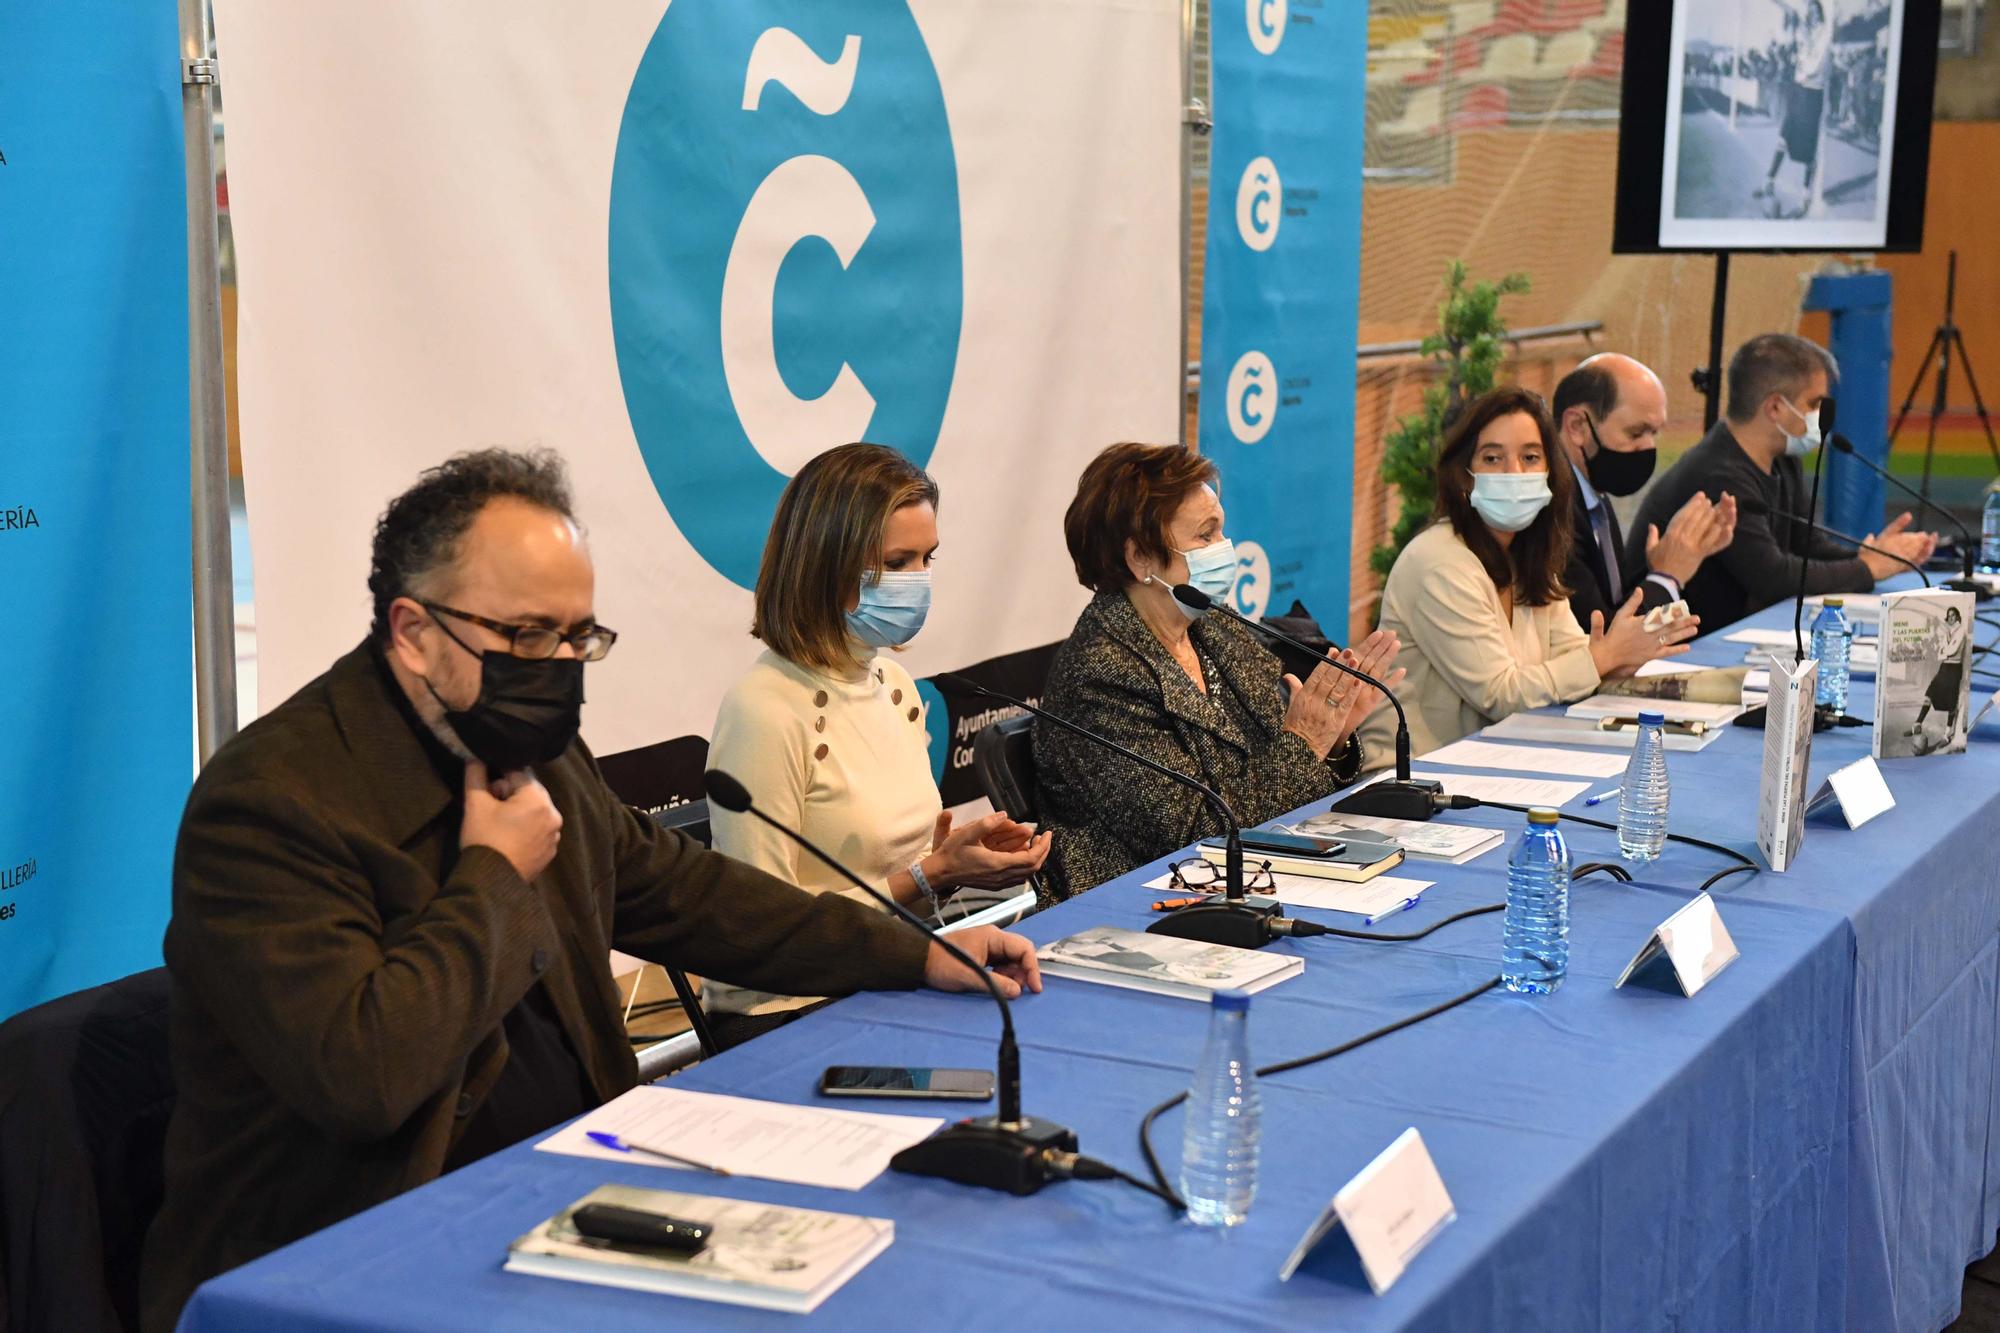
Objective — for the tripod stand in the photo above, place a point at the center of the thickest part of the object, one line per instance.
(1943, 340)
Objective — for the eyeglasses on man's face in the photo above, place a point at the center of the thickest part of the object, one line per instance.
(590, 643)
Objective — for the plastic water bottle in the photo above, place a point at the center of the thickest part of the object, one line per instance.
(1989, 531)
(1832, 634)
(1642, 801)
(1534, 941)
(1224, 1120)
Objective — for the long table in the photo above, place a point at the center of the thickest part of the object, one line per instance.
(1808, 1144)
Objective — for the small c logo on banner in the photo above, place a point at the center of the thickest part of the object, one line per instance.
(1251, 397)
(1252, 593)
(1266, 21)
(1259, 204)
(785, 255)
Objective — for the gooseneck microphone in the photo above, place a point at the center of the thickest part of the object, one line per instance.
(1008, 1151)
(1404, 797)
(1827, 407)
(1237, 920)
(1966, 545)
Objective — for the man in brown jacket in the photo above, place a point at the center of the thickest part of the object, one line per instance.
(395, 896)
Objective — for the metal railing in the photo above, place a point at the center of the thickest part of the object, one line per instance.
(1584, 328)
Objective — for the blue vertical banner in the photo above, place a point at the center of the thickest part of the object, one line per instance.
(1281, 294)
(96, 695)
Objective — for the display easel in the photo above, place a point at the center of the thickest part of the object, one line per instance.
(1944, 338)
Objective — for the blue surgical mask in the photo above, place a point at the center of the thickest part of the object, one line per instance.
(892, 608)
(1797, 445)
(1510, 501)
(1211, 570)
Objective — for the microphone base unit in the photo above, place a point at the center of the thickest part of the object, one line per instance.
(1824, 719)
(1980, 592)
(989, 1153)
(1241, 924)
(1406, 798)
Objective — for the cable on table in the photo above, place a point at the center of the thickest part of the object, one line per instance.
(1166, 1190)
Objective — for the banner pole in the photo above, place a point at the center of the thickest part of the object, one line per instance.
(208, 426)
(1192, 115)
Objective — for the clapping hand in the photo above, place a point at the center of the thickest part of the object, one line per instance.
(1623, 646)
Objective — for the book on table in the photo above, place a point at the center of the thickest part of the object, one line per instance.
(1923, 689)
(761, 1254)
(1163, 964)
(1361, 860)
(1432, 840)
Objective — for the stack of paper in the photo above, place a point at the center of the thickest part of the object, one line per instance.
(1674, 710)
(1513, 791)
(803, 1145)
(1586, 731)
(1526, 759)
(1862, 656)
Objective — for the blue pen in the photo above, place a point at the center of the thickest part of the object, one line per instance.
(1602, 796)
(618, 1144)
(1402, 906)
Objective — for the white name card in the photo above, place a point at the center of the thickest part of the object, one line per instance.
(1684, 952)
(1859, 790)
(1389, 1212)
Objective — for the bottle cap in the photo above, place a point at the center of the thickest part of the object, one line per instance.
(1651, 719)
(1541, 814)
(1235, 1001)
(1835, 602)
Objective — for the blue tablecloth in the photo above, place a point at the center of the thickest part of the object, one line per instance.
(1805, 1145)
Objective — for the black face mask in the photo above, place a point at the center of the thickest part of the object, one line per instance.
(1616, 473)
(528, 710)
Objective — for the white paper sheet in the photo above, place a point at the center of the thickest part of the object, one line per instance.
(1527, 759)
(1514, 791)
(802, 1145)
(1380, 896)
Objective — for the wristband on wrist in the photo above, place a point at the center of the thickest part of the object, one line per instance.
(923, 881)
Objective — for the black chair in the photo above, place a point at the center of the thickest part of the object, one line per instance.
(1003, 758)
(86, 1088)
(690, 818)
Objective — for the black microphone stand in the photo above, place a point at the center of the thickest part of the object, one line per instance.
(1008, 1151)
(1968, 548)
(1403, 797)
(1240, 921)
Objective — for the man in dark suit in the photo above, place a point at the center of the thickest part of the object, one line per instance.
(1609, 413)
(1776, 383)
(395, 896)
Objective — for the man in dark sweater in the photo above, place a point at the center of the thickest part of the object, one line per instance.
(1776, 384)
(1609, 413)
(395, 896)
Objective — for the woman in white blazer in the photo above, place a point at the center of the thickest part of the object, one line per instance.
(1477, 598)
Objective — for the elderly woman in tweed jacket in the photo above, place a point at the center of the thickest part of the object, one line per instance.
(1201, 696)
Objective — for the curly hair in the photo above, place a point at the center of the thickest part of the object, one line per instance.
(418, 534)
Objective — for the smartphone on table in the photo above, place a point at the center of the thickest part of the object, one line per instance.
(954, 1085)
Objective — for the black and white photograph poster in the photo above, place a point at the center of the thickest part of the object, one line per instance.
(1926, 674)
(1780, 123)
